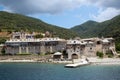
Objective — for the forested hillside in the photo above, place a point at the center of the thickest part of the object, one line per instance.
(17, 22)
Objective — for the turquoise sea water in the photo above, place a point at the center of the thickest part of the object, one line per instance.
(41, 71)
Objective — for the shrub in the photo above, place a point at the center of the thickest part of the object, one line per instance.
(3, 51)
(118, 56)
(110, 55)
(38, 36)
(48, 53)
(2, 40)
(99, 54)
(118, 46)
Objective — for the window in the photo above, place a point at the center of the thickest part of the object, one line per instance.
(98, 42)
(90, 48)
(74, 41)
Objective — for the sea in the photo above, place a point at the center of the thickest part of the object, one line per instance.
(48, 71)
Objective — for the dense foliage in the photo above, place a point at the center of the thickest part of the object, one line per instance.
(118, 46)
(16, 22)
(2, 40)
(85, 29)
(3, 51)
(100, 54)
(38, 36)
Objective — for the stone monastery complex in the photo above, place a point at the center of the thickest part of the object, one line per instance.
(24, 43)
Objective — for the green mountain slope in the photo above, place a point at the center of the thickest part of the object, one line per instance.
(85, 29)
(109, 28)
(17, 22)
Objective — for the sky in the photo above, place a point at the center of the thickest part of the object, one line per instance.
(64, 13)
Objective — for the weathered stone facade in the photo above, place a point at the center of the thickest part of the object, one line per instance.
(22, 43)
(89, 47)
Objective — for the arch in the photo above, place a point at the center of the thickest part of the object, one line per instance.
(74, 56)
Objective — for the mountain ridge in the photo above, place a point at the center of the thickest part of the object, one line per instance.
(108, 28)
(83, 28)
(17, 22)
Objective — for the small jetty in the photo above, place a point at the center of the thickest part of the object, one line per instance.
(77, 63)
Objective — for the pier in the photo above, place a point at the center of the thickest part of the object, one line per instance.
(77, 63)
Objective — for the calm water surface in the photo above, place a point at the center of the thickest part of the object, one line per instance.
(40, 71)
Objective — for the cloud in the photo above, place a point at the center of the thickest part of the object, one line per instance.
(110, 8)
(39, 6)
(106, 3)
(107, 9)
(106, 14)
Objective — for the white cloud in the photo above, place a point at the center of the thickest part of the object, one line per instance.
(106, 3)
(31, 7)
(40, 6)
(106, 14)
(107, 9)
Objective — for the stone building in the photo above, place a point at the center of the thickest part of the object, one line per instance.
(24, 43)
(88, 47)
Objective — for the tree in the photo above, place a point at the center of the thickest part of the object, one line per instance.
(3, 51)
(38, 36)
(99, 54)
(0, 30)
(118, 46)
(2, 40)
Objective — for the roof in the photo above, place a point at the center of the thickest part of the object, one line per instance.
(105, 41)
(91, 42)
(58, 53)
(83, 43)
(73, 42)
(76, 42)
(34, 40)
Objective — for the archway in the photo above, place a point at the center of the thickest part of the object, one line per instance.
(74, 56)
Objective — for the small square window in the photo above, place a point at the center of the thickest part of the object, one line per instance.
(90, 48)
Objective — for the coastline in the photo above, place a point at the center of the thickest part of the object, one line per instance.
(44, 59)
(31, 58)
(104, 61)
(9, 60)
